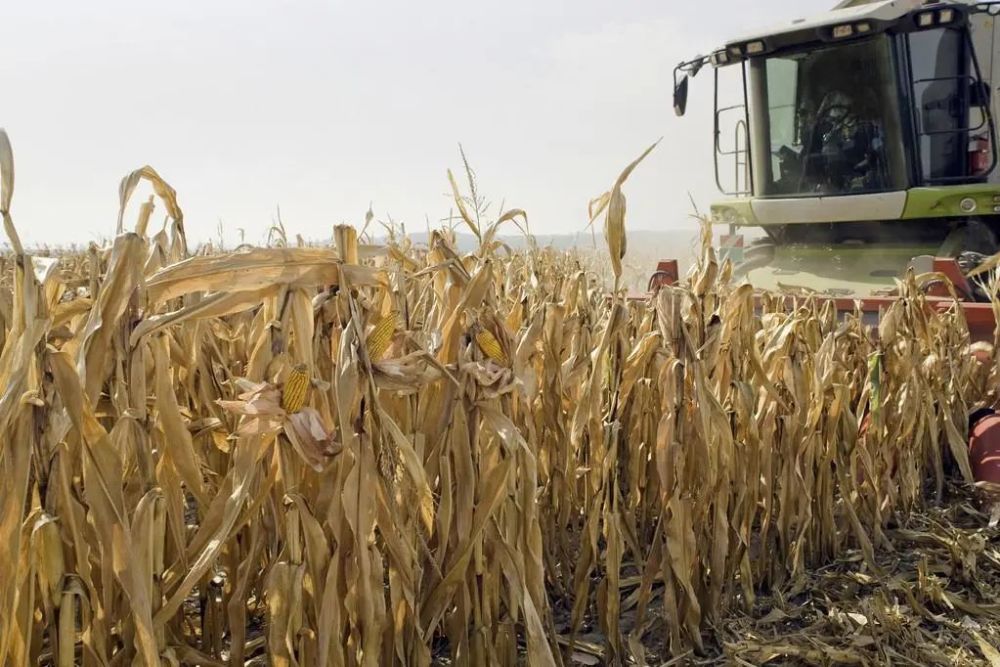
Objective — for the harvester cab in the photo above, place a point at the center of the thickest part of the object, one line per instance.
(865, 142)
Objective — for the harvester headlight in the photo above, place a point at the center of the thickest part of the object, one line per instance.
(946, 16)
(755, 47)
(925, 20)
(736, 51)
(842, 31)
(968, 205)
(720, 58)
(863, 28)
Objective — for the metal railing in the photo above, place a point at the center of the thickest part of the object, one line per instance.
(740, 155)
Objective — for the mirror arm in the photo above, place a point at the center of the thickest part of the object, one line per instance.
(682, 73)
(691, 67)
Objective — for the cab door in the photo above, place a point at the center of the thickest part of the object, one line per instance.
(952, 102)
(940, 71)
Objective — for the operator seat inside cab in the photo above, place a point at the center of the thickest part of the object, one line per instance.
(843, 117)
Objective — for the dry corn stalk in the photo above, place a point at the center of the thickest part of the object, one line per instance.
(619, 460)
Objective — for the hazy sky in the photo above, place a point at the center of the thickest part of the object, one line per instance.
(321, 107)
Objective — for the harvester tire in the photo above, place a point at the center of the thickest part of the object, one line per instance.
(971, 236)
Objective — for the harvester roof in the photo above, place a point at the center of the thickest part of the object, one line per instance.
(874, 17)
(886, 10)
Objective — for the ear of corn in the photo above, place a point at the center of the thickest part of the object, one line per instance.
(380, 336)
(293, 395)
(491, 347)
(633, 487)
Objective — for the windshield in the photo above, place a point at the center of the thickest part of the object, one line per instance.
(826, 121)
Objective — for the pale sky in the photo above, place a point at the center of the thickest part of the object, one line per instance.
(322, 107)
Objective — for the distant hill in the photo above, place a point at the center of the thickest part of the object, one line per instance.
(680, 242)
(645, 247)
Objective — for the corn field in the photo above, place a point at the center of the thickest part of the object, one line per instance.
(391, 455)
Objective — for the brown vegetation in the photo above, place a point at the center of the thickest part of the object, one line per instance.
(388, 455)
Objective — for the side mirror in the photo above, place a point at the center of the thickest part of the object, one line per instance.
(979, 94)
(681, 96)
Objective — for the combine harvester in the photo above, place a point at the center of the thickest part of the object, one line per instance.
(865, 143)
